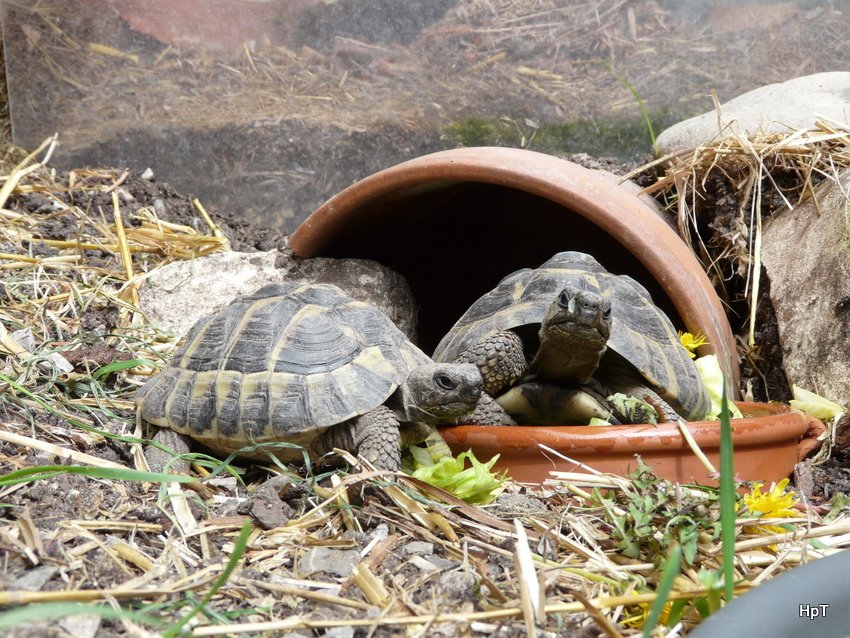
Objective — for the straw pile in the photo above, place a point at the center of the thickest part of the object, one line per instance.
(720, 193)
(81, 535)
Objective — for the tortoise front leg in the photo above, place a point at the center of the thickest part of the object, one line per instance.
(664, 412)
(500, 360)
(487, 412)
(374, 436)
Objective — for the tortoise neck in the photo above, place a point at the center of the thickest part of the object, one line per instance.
(406, 409)
(561, 357)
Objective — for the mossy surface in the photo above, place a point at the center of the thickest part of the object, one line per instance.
(626, 139)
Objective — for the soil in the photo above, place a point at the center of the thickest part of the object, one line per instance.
(353, 86)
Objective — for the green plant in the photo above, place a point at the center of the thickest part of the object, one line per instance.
(665, 586)
(728, 497)
(654, 503)
(643, 110)
(41, 472)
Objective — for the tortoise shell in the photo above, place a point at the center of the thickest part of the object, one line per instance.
(282, 364)
(640, 332)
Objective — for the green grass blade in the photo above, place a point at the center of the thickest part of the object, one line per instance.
(668, 577)
(728, 497)
(238, 550)
(47, 407)
(48, 611)
(643, 110)
(38, 473)
(117, 366)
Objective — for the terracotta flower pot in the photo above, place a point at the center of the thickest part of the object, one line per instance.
(767, 444)
(454, 223)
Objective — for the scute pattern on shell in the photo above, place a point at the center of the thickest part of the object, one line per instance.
(284, 363)
(640, 332)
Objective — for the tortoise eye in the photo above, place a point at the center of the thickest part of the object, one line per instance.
(445, 382)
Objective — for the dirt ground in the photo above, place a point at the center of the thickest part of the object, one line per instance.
(354, 86)
(75, 533)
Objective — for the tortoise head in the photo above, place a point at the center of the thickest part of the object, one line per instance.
(573, 335)
(584, 313)
(439, 393)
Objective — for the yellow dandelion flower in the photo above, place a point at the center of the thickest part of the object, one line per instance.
(637, 615)
(692, 342)
(775, 503)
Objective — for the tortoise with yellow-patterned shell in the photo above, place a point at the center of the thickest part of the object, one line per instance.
(305, 364)
(553, 343)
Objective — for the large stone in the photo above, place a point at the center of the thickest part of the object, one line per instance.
(180, 293)
(806, 253)
(775, 108)
(327, 560)
(365, 280)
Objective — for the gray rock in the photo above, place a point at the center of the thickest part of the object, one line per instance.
(339, 562)
(806, 253)
(228, 483)
(456, 585)
(228, 506)
(280, 483)
(81, 626)
(365, 280)
(774, 108)
(267, 508)
(419, 548)
(178, 294)
(35, 579)
(443, 564)
(511, 505)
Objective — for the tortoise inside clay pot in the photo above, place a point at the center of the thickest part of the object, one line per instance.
(455, 223)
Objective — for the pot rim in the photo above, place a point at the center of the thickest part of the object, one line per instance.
(773, 423)
(588, 193)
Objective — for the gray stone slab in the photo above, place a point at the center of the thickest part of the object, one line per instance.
(773, 108)
(806, 254)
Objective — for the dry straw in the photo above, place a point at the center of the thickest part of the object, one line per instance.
(764, 172)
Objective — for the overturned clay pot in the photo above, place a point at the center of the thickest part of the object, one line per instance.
(455, 223)
(767, 444)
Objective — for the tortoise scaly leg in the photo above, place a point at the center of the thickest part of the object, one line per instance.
(628, 382)
(374, 436)
(377, 438)
(158, 459)
(500, 360)
(488, 412)
(664, 412)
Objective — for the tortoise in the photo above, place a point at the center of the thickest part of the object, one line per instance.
(305, 364)
(572, 328)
